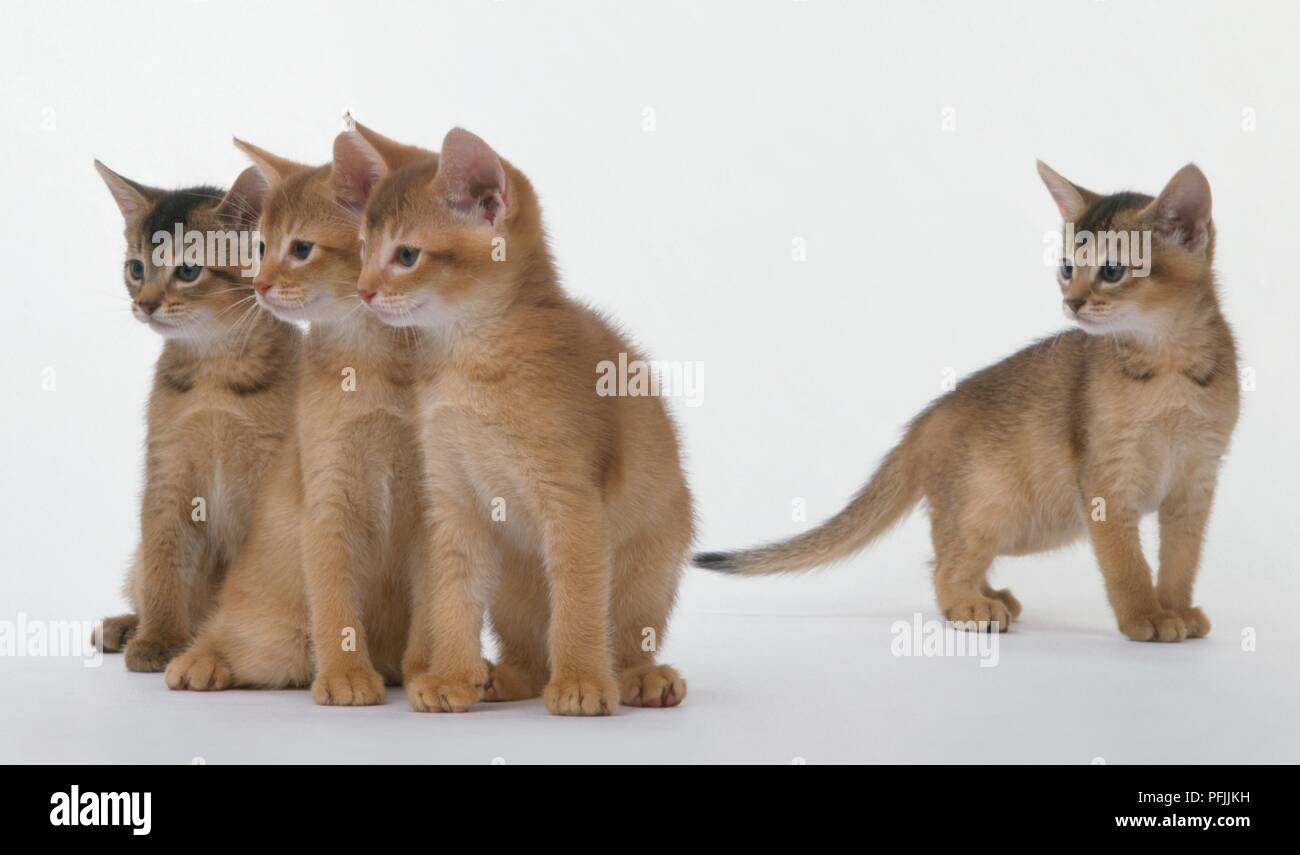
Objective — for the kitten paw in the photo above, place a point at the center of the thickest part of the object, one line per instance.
(508, 682)
(117, 631)
(1197, 621)
(651, 686)
(200, 672)
(430, 692)
(355, 686)
(581, 695)
(151, 654)
(1003, 594)
(1155, 626)
(981, 614)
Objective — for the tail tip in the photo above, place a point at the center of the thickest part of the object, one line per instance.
(719, 562)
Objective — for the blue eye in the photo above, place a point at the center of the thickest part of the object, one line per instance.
(1113, 272)
(407, 256)
(1067, 270)
(188, 272)
(135, 269)
(301, 249)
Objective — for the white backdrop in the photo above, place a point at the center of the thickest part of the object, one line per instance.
(680, 149)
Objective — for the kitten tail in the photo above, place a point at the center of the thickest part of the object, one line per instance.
(886, 498)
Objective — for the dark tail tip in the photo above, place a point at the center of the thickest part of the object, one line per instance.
(718, 562)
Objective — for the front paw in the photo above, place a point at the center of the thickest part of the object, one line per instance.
(652, 686)
(1158, 625)
(433, 692)
(507, 682)
(151, 654)
(351, 686)
(593, 694)
(201, 672)
(1197, 621)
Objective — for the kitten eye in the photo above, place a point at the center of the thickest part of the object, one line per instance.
(135, 269)
(188, 272)
(1067, 270)
(261, 249)
(407, 256)
(301, 249)
(1113, 272)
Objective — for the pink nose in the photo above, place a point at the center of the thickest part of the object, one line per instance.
(366, 296)
(262, 285)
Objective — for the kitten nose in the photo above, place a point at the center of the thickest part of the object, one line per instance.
(366, 295)
(148, 306)
(261, 285)
(1076, 303)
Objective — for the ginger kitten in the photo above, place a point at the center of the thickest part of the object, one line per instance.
(216, 413)
(565, 512)
(1080, 434)
(325, 586)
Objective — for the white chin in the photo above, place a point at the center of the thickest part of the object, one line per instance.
(406, 318)
(300, 312)
(1092, 327)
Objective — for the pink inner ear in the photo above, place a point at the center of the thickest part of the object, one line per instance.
(471, 176)
(357, 169)
(1185, 205)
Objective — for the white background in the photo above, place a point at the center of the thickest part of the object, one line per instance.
(897, 139)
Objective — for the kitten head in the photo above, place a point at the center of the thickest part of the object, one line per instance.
(310, 245)
(446, 238)
(1133, 263)
(189, 253)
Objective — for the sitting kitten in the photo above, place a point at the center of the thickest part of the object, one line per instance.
(216, 412)
(322, 588)
(1084, 432)
(565, 511)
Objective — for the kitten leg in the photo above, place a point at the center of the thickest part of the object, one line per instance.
(167, 545)
(962, 561)
(333, 538)
(519, 611)
(578, 566)
(1183, 516)
(963, 595)
(646, 574)
(462, 560)
(1118, 546)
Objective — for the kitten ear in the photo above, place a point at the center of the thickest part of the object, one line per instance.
(243, 202)
(1182, 211)
(273, 167)
(1071, 199)
(394, 154)
(471, 177)
(358, 168)
(131, 198)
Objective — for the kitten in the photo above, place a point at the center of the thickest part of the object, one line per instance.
(1082, 433)
(565, 511)
(216, 412)
(323, 587)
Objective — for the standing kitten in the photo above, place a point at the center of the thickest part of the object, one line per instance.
(341, 524)
(564, 510)
(216, 413)
(1082, 433)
